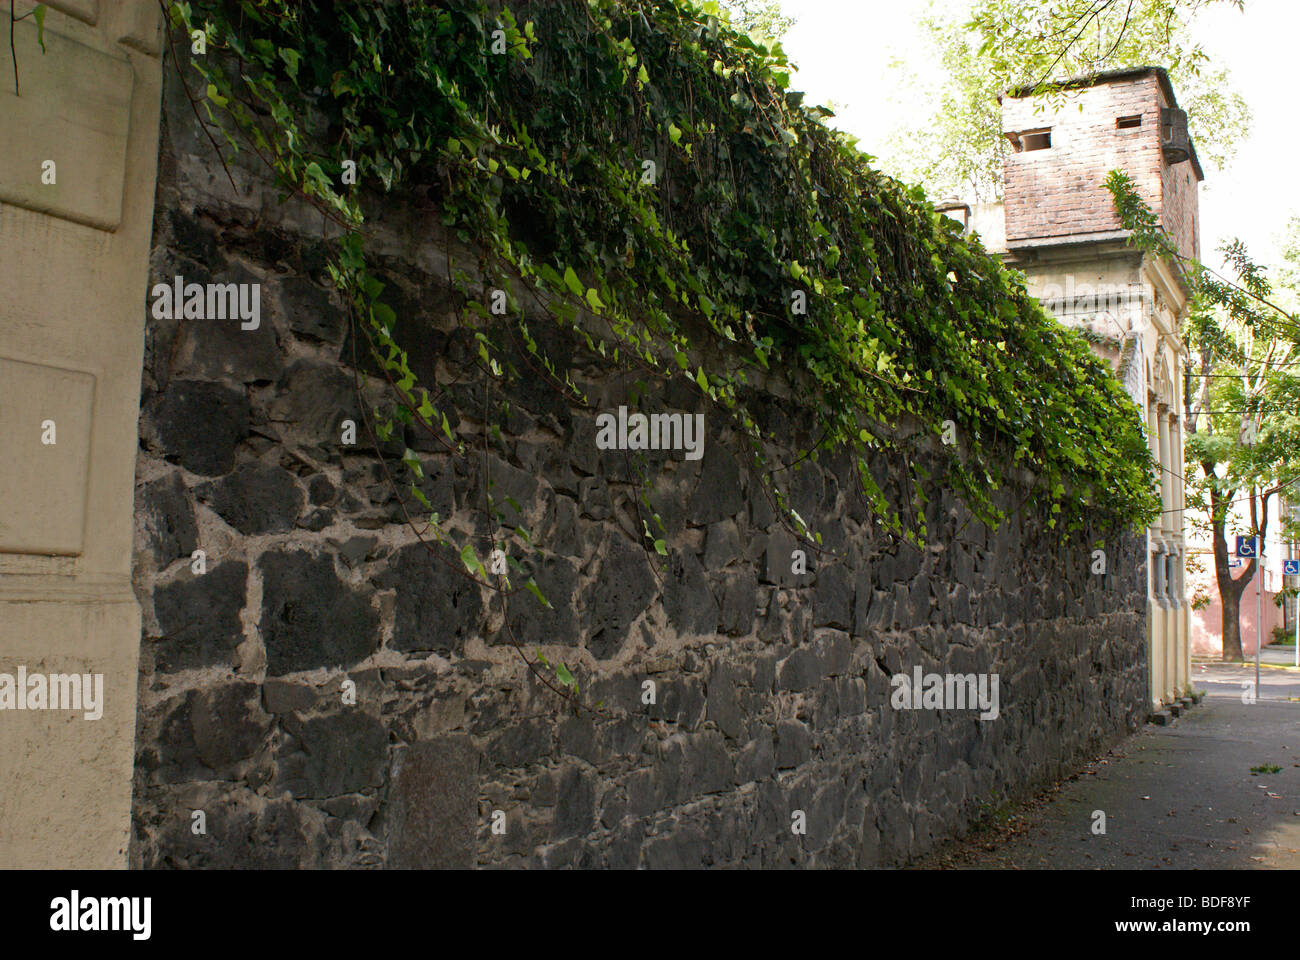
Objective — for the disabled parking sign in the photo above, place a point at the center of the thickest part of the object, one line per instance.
(1246, 547)
(1291, 568)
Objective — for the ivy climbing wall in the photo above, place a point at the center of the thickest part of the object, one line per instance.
(326, 684)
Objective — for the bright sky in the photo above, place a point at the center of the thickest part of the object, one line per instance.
(860, 53)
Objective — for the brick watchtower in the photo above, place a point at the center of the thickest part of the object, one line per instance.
(1055, 176)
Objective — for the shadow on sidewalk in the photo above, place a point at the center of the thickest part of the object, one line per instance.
(1179, 796)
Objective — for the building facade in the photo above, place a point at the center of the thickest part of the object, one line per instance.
(1058, 225)
(78, 154)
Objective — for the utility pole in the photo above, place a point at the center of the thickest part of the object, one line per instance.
(1291, 515)
(1259, 600)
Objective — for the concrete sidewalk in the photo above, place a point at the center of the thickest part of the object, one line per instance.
(1280, 655)
(1179, 796)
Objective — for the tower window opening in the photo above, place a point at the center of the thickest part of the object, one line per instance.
(1040, 140)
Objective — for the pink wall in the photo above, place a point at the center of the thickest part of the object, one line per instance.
(1207, 638)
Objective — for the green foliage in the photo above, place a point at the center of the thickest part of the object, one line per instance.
(987, 47)
(1242, 419)
(762, 19)
(1036, 41)
(536, 156)
(957, 148)
(561, 672)
(38, 14)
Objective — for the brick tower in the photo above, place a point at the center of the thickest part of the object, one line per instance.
(1055, 175)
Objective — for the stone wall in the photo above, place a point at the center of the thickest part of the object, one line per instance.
(772, 688)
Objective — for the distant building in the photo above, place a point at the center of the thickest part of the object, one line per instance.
(1057, 224)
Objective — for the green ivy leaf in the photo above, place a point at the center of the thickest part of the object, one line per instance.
(291, 58)
(38, 12)
(472, 563)
(412, 461)
(536, 591)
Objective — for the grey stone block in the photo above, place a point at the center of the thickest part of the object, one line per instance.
(433, 806)
(196, 424)
(257, 498)
(310, 618)
(333, 754)
(199, 617)
(168, 519)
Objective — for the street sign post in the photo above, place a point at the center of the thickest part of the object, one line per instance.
(1248, 548)
(1291, 568)
(1259, 609)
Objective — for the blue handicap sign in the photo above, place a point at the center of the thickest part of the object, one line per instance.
(1246, 547)
(1291, 568)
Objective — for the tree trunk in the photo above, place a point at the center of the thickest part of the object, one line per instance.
(1230, 590)
(1230, 603)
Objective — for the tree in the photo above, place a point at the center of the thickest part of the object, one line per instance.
(987, 47)
(762, 18)
(1243, 417)
(959, 150)
(1241, 436)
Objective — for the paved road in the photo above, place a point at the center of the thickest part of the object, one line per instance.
(1180, 796)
